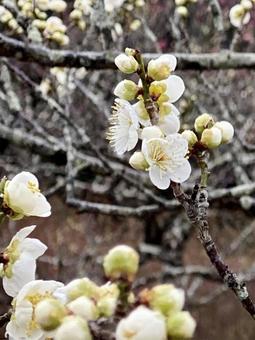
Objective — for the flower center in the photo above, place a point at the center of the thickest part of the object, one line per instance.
(33, 187)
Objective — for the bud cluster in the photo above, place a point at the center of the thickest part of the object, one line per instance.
(81, 10)
(8, 20)
(240, 14)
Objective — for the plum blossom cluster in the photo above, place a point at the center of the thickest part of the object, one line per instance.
(144, 115)
(240, 14)
(182, 7)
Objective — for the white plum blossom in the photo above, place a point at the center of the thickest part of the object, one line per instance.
(123, 132)
(166, 159)
(23, 324)
(142, 324)
(21, 255)
(161, 68)
(22, 195)
(111, 5)
(239, 16)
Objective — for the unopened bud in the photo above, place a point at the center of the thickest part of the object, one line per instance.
(126, 89)
(40, 24)
(182, 11)
(73, 326)
(203, 121)
(126, 63)
(161, 68)
(76, 14)
(80, 287)
(121, 262)
(190, 137)
(227, 131)
(135, 24)
(247, 4)
(49, 314)
(165, 298)
(180, 2)
(57, 6)
(138, 161)
(211, 138)
(151, 132)
(108, 300)
(84, 307)
(181, 325)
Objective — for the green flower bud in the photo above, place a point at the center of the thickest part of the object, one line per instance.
(73, 326)
(81, 287)
(121, 262)
(191, 137)
(126, 63)
(227, 131)
(181, 325)
(202, 122)
(49, 314)
(108, 300)
(138, 161)
(84, 307)
(211, 138)
(126, 89)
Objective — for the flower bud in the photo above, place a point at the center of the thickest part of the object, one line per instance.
(211, 138)
(40, 24)
(181, 325)
(126, 89)
(84, 307)
(126, 63)
(182, 11)
(151, 132)
(49, 314)
(141, 324)
(121, 262)
(135, 24)
(57, 6)
(247, 4)
(157, 88)
(108, 300)
(81, 287)
(190, 137)
(138, 161)
(165, 298)
(239, 16)
(227, 131)
(73, 326)
(202, 122)
(76, 14)
(161, 68)
(180, 2)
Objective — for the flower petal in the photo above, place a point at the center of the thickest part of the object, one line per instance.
(33, 248)
(175, 88)
(23, 233)
(159, 178)
(169, 124)
(182, 173)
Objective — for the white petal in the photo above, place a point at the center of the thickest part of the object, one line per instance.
(132, 138)
(175, 88)
(169, 124)
(42, 208)
(182, 173)
(23, 233)
(159, 178)
(33, 247)
(23, 271)
(171, 59)
(23, 177)
(178, 144)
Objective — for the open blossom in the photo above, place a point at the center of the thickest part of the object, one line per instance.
(123, 132)
(166, 159)
(239, 16)
(23, 324)
(23, 196)
(142, 324)
(162, 67)
(20, 255)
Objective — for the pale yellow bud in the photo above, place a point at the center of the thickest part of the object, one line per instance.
(202, 122)
(139, 3)
(27, 7)
(84, 307)
(130, 51)
(126, 64)
(135, 24)
(227, 131)
(49, 314)
(40, 24)
(191, 137)
(211, 138)
(180, 2)
(81, 287)
(182, 11)
(121, 262)
(60, 38)
(247, 4)
(165, 298)
(5, 17)
(76, 14)
(151, 132)
(138, 161)
(58, 6)
(42, 4)
(73, 327)
(82, 25)
(13, 24)
(108, 300)
(126, 89)
(181, 325)
(161, 68)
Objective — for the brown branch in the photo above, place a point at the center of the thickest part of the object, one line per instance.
(13, 48)
(196, 208)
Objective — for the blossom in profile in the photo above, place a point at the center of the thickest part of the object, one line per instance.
(20, 261)
(23, 323)
(123, 131)
(142, 323)
(22, 195)
(166, 159)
